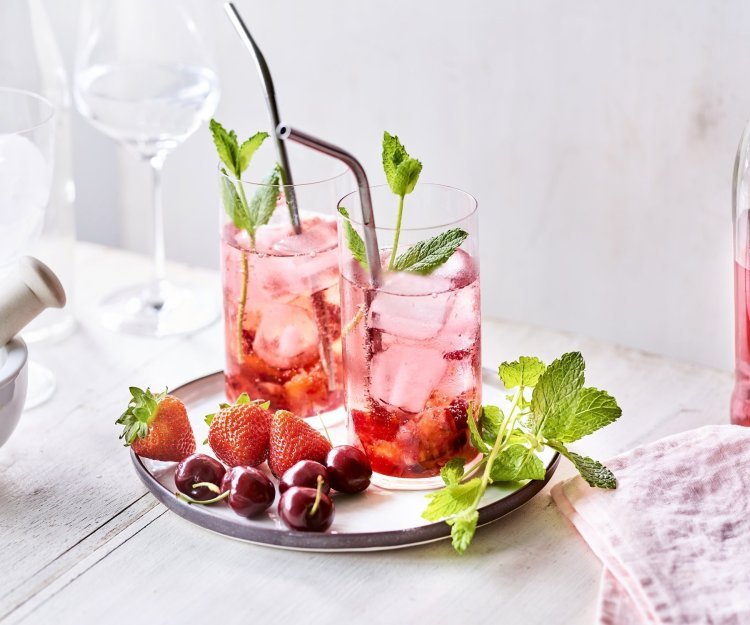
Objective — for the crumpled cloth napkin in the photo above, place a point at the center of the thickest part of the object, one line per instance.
(674, 537)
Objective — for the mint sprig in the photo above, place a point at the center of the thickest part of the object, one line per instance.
(402, 173)
(549, 407)
(247, 216)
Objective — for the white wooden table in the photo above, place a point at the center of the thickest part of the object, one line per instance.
(81, 541)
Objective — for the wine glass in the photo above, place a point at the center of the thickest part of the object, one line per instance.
(27, 133)
(145, 78)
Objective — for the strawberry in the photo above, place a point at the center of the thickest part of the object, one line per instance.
(293, 440)
(238, 434)
(157, 426)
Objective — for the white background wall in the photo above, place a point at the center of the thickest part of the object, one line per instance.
(598, 137)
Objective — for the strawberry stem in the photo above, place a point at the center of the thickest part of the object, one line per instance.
(318, 494)
(190, 500)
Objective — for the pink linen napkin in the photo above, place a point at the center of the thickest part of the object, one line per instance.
(674, 537)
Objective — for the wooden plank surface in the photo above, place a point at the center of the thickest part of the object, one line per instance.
(80, 538)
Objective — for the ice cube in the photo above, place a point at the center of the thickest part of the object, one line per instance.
(287, 337)
(269, 279)
(318, 234)
(411, 306)
(269, 235)
(313, 256)
(405, 375)
(25, 179)
(460, 269)
(461, 327)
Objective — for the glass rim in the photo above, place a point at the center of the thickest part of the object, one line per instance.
(357, 221)
(254, 183)
(34, 96)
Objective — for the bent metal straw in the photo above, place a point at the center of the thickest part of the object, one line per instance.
(368, 218)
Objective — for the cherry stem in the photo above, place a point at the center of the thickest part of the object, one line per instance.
(190, 500)
(209, 485)
(319, 492)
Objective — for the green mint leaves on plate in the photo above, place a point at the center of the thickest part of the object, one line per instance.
(236, 158)
(549, 407)
(402, 173)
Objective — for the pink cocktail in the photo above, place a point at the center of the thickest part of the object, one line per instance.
(282, 312)
(412, 345)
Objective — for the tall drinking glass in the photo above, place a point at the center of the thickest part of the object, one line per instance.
(27, 132)
(145, 78)
(411, 346)
(281, 298)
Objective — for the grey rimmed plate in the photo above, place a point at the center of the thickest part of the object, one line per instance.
(374, 520)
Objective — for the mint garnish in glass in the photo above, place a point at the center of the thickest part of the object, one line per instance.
(247, 216)
(402, 173)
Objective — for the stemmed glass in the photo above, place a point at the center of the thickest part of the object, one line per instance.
(145, 78)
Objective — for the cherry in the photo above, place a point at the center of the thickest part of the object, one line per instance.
(250, 491)
(196, 474)
(304, 473)
(306, 509)
(348, 469)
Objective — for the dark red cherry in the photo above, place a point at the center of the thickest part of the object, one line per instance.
(196, 469)
(348, 469)
(250, 491)
(306, 509)
(304, 473)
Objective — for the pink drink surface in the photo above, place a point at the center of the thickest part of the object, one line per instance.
(740, 406)
(286, 345)
(413, 365)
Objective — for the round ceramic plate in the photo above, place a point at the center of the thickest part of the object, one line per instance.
(373, 520)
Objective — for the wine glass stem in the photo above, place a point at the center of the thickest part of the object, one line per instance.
(158, 216)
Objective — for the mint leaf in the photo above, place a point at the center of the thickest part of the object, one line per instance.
(401, 171)
(406, 177)
(248, 148)
(476, 437)
(463, 527)
(426, 256)
(593, 471)
(264, 200)
(516, 463)
(353, 240)
(233, 205)
(490, 422)
(594, 410)
(453, 471)
(452, 499)
(556, 392)
(522, 372)
(226, 146)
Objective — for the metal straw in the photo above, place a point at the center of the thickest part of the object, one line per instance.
(273, 111)
(368, 218)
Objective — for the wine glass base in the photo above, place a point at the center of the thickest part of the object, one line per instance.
(157, 312)
(42, 385)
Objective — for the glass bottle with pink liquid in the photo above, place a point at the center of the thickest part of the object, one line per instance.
(411, 346)
(740, 404)
(281, 296)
